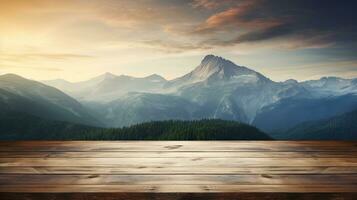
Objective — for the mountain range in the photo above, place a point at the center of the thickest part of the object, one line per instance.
(216, 89)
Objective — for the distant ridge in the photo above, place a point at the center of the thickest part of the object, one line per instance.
(18, 94)
(340, 127)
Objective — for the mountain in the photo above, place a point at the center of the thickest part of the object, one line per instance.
(213, 69)
(288, 112)
(216, 89)
(18, 94)
(328, 86)
(340, 127)
(135, 108)
(226, 90)
(34, 128)
(108, 87)
(111, 89)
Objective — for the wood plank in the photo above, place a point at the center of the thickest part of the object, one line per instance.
(175, 162)
(185, 154)
(264, 179)
(179, 196)
(178, 167)
(299, 146)
(179, 170)
(179, 188)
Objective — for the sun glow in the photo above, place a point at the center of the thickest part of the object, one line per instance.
(80, 39)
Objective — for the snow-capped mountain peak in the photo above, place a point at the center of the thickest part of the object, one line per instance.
(215, 68)
(107, 76)
(155, 78)
(210, 65)
(220, 68)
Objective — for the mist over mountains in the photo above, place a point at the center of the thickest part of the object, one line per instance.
(216, 89)
(26, 96)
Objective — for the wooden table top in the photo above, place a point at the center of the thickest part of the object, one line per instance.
(134, 169)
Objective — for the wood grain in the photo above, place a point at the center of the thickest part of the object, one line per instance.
(178, 162)
(299, 146)
(178, 170)
(114, 195)
(263, 179)
(184, 154)
(179, 188)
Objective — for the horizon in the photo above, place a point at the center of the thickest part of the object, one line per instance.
(145, 76)
(77, 40)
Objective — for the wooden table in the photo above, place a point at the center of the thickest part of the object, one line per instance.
(178, 170)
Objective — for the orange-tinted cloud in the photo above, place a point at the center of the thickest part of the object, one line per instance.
(210, 4)
(233, 19)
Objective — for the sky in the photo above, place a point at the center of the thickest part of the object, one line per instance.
(79, 39)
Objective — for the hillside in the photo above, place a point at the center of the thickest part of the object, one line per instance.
(34, 128)
(288, 113)
(341, 127)
(22, 126)
(21, 95)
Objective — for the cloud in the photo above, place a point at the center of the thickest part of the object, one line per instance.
(9, 66)
(264, 34)
(31, 56)
(175, 47)
(300, 20)
(172, 26)
(233, 19)
(210, 4)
